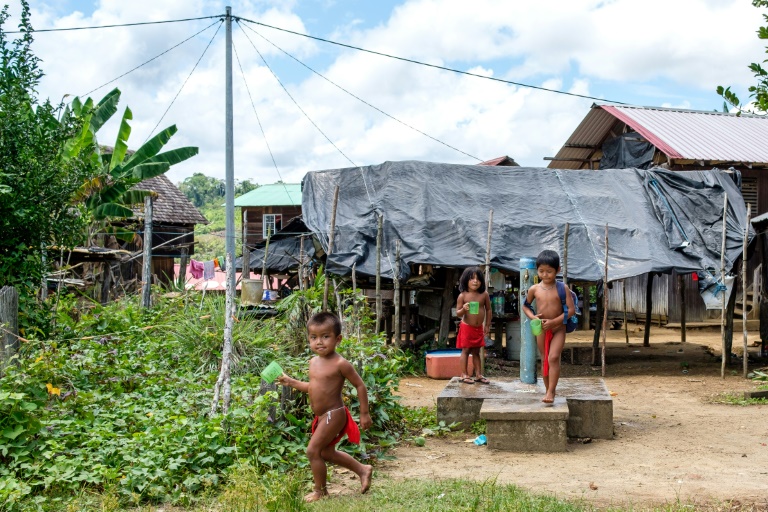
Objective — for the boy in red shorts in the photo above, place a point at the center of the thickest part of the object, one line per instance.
(327, 373)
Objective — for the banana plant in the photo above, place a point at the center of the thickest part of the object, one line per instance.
(109, 196)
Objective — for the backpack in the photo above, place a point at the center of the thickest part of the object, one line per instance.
(572, 322)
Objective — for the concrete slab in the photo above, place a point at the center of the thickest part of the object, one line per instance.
(526, 425)
(590, 406)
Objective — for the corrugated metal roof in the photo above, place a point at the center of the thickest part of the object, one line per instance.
(275, 194)
(680, 134)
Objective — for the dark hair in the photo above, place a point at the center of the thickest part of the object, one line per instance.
(326, 318)
(468, 274)
(548, 257)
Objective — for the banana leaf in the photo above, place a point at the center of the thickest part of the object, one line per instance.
(121, 144)
(109, 194)
(112, 210)
(105, 109)
(136, 196)
(150, 170)
(150, 148)
(174, 156)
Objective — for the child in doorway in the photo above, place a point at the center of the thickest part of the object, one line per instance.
(472, 332)
(327, 373)
(550, 311)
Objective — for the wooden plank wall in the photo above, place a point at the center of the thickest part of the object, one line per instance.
(636, 295)
(253, 222)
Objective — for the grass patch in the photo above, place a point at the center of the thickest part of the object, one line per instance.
(736, 399)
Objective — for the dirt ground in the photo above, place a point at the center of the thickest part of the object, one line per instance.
(672, 443)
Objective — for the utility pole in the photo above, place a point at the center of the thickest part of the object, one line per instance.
(222, 387)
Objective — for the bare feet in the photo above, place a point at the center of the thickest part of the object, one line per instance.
(315, 495)
(549, 399)
(365, 479)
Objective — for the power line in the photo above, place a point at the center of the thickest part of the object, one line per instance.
(150, 60)
(362, 100)
(443, 68)
(115, 25)
(263, 133)
(185, 82)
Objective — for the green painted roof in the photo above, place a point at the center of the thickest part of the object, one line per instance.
(276, 194)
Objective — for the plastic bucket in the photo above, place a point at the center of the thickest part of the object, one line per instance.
(271, 372)
(251, 291)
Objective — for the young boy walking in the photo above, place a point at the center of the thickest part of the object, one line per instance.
(553, 318)
(327, 373)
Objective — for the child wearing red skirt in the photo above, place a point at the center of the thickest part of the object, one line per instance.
(474, 327)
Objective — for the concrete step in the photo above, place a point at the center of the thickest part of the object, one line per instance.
(526, 425)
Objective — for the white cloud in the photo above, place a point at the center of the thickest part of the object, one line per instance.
(614, 49)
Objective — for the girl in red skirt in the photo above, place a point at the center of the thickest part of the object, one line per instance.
(474, 308)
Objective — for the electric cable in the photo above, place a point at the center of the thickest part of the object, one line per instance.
(117, 25)
(150, 60)
(443, 68)
(263, 133)
(185, 83)
(362, 100)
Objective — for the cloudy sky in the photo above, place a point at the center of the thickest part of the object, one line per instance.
(653, 53)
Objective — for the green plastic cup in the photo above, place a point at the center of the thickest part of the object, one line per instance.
(536, 326)
(271, 372)
(474, 308)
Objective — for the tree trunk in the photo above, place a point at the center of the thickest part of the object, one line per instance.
(9, 322)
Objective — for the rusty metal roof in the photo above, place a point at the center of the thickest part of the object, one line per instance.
(679, 134)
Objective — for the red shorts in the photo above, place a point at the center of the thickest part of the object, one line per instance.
(350, 428)
(470, 336)
(548, 335)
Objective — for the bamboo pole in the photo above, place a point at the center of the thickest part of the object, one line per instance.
(682, 285)
(624, 300)
(397, 297)
(487, 283)
(146, 277)
(330, 246)
(267, 286)
(379, 231)
(301, 264)
(354, 302)
(744, 290)
(605, 306)
(648, 309)
(722, 280)
(565, 254)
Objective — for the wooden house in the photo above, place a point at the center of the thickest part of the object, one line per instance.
(267, 209)
(620, 136)
(173, 226)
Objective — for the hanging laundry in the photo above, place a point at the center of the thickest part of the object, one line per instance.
(208, 270)
(196, 268)
(216, 263)
(222, 263)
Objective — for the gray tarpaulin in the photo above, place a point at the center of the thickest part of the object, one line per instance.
(657, 220)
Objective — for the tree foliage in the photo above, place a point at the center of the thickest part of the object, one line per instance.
(759, 91)
(36, 181)
(201, 189)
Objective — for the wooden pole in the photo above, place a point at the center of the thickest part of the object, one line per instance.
(565, 254)
(146, 276)
(330, 246)
(355, 299)
(379, 232)
(301, 264)
(183, 262)
(246, 272)
(396, 327)
(9, 321)
(624, 300)
(722, 280)
(487, 283)
(648, 309)
(744, 290)
(267, 286)
(682, 285)
(605, 306)
(407, 301)
(451, 275)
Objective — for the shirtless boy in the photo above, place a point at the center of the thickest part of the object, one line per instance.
(327, 373)
(550, 311)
